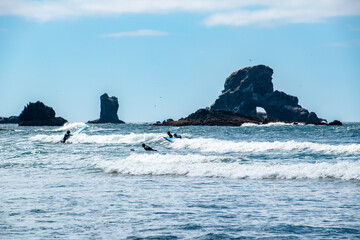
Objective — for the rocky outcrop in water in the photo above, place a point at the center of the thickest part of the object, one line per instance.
(244, 91)
(108, 113)
(212, 118)
(12, 119)
(252, 87)
(38, 114)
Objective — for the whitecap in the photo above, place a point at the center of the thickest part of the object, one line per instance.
(226, 146)
(193, 165)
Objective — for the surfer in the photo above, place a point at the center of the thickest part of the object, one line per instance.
(175, 135)
(147, 148)
(66, 136)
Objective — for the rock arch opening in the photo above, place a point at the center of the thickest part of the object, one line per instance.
(261, 113)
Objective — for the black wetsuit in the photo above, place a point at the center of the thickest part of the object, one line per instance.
(177, 136)
(66, 137)
(147, 148)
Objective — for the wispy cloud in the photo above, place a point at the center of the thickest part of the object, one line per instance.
(338, 45)
(354, 43)
(285, 12)
(137, 33)
(224, 12)
(355, 29)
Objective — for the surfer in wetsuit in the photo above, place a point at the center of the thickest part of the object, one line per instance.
(66, 136)
(147, 148)
(175, 135)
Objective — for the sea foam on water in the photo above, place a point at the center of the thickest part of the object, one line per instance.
(194, 165)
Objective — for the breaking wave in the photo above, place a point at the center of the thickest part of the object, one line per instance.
(224, 146)
(206, 145)
(194, 165)
(270, 124)
(131, 138)
(68, 126)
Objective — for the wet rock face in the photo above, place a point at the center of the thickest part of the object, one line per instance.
(252, 87)
(38, 114)
(108, 113)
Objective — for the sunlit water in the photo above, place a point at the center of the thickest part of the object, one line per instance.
(252, 182)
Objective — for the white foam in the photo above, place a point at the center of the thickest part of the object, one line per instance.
(209, 145)
(270, 124)
(131, 138)
(224, 146)
(215, 166)
(68, 126)
(47, 138)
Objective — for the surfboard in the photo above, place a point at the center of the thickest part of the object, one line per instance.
(169, 139)
(81, 129)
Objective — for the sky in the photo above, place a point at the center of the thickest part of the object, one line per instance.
(168, 58)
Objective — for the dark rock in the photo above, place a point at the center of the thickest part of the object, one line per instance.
(213, 118)
(38, 114)
(252, 87)
(335, 123)
(108, 113)
(12, 119)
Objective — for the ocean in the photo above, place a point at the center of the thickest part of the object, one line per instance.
(275, 181)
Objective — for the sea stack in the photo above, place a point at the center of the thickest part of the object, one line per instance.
(38, 114)
(108, 112)
(252, 87)
(244, 91)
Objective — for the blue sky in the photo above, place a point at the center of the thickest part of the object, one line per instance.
(168, 58)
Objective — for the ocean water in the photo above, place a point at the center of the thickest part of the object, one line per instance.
(276, 181)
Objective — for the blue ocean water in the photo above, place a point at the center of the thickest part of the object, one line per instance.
(275, 181)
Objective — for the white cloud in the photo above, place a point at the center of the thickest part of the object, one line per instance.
(219, 12)
(287, 12)
(338, 45)
(138, 33)
(354, 43)
(355, 29)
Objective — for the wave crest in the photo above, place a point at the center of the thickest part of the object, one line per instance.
(193, 165)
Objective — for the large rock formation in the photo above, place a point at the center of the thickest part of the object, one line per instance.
(38, 114)
(252, 87)
(244, 91)
(108, 113)
(12, 119)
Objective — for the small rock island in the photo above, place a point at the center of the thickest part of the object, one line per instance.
(38, 114)
(244, 91)
(108, 110)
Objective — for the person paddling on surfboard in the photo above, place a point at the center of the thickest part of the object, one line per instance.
(147, 148)
(66, 136)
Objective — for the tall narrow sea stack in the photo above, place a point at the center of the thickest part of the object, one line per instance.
(108, 112)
